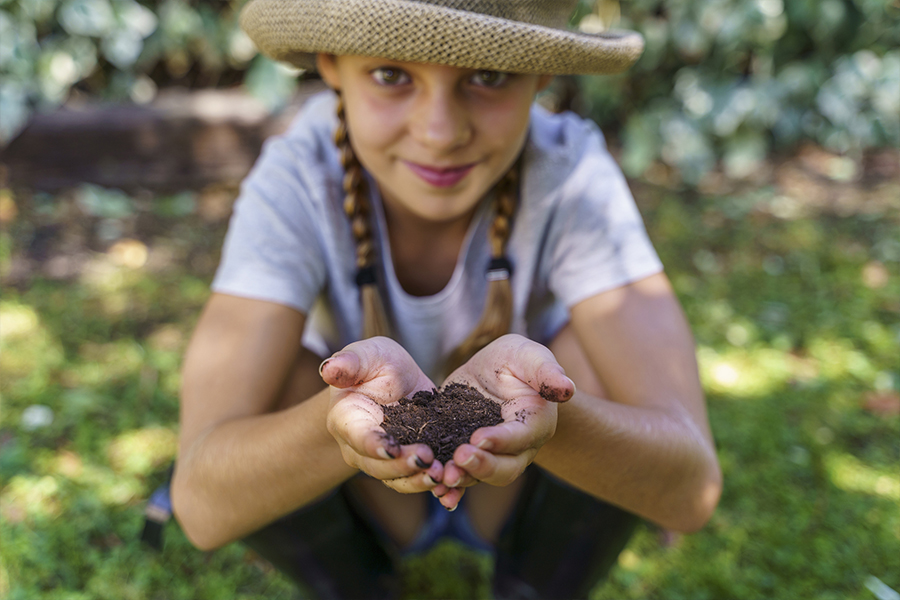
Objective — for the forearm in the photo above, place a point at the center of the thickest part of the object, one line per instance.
(247, 472)
(655, 463)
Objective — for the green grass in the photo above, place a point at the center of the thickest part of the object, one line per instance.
(797, 323)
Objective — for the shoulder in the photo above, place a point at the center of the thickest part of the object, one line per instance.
(563, 132)
(299, 167)
(564, 152)
(568, 168)
(308, 140)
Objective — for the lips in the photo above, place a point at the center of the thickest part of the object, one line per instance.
(440, 177)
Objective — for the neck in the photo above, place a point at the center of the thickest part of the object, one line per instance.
(424, 253)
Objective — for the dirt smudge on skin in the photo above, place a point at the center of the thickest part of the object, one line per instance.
(551, 394)
(392, 446)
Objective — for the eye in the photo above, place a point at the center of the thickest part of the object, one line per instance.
(489, 79)
(390, 76)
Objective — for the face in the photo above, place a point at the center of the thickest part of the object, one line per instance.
(435, 138)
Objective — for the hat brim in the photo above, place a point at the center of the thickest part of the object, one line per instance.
(295, 31)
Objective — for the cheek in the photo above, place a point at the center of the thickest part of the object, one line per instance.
(374, 125)
(504, 124)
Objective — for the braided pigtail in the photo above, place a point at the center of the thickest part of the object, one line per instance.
(356, 206)
(497, 316)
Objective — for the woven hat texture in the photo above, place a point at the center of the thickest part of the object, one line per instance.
(515, 36)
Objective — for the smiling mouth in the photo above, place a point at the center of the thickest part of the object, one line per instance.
(440, 177)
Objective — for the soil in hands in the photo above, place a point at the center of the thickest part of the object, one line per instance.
(442, 419)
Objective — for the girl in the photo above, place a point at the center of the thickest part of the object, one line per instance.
(426, 206)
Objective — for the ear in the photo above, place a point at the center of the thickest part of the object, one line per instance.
(544, 81)
(326, 64)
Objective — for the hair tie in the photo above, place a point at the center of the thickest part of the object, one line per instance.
(499, 268)
(365, 276)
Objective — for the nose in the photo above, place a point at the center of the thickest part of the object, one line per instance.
(440, 121)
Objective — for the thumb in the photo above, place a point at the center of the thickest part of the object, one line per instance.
(381, 364)
(342, 370)
(536, 365)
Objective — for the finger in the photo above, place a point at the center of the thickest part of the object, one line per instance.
(536, 365)
(420, 482)
(407, 464)
(356, 421)
(457, 477)
(451, 499)
(512, 437)
(494, 469)
(388, 371)
(342, 370)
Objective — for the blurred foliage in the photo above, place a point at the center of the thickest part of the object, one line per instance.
(733, 80)
(124, 50)
(721, 81)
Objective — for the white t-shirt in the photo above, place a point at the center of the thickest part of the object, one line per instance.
(576, 233)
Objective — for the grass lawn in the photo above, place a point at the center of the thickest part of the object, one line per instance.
(792, 286)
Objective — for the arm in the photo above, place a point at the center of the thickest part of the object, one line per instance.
(259, 429)
(242, 462)
(648, 447)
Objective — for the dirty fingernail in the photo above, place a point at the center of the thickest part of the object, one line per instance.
(421, 463)
(392, 446)
(455, 506)
(429, 480)
(485, 444)
(322, 366)
(383, 453)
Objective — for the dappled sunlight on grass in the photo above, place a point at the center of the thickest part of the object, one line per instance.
(101, 363)
(142, 451)
(838, 358)
(849, 473)
(760, 370)
(749, 373)
(30, 497)
(30, 353)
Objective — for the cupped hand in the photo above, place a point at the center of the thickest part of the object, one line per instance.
(525, 379)
(365, 376)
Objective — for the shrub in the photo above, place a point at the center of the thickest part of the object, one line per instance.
(721, 81)
(732, 80)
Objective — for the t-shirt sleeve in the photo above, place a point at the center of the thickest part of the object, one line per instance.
(272, 250)
(597, 238)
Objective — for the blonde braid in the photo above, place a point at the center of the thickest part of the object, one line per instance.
(356, 206)
(497, 316)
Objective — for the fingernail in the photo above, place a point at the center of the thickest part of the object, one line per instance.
(455, 506)
(429, 480)
(468, 462)
(383, 453)
(485, 444)
(421, 463)
(392, 447)
(434, 493)
(322, 366)
(455, 483)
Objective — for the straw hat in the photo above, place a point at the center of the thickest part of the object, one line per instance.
(515, 36)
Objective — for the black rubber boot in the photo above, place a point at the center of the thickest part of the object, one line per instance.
(329, 549)
(558, 543)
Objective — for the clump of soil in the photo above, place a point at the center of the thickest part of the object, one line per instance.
(442, 419)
